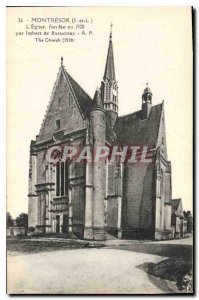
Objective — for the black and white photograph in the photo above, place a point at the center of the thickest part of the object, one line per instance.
(99, 150)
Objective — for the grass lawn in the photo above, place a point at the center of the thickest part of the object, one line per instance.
(28, 245)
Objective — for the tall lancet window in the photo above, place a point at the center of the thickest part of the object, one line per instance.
(58, 178)
(61, 178)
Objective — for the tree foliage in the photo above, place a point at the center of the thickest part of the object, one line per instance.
(189, 219)
(9, 220)
(22, 220)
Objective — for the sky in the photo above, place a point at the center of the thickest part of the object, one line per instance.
(151, 44)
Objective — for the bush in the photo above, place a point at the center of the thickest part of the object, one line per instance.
(186, 284)
(31, 229)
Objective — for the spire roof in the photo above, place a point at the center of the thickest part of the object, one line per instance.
(110, 68)
(97, 101)
(147, 89)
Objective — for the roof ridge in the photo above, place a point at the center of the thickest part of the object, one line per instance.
(84, 101)
(176, 199)
(70, 77)
(121, 116)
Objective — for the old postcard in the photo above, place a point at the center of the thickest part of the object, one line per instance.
(99, 150)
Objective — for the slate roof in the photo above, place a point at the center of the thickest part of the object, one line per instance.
(83, 98)
(132, 129)
(129, 129)
(110, 68)
(147, 90)
(97, 101)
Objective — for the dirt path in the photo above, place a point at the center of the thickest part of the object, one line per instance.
(81, 271)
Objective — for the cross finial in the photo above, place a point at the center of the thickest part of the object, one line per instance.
(62, 61)
(147, 84)
(111, 30)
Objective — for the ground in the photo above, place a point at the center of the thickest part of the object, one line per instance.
(47, 266)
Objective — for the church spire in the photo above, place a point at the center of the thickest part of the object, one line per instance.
(109, 88)
(62, 61)
(110, 36)
(110, 68)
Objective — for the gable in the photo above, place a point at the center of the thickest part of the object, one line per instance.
(177, 206)
(82, 97)
(67, 108)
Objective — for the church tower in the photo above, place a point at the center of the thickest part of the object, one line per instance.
(146, 102)
(109, 87)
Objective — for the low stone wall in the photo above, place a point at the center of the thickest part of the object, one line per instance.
(16, 231)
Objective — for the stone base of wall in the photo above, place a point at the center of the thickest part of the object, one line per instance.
(113, 231)
(99, 234)
(78, 231)
(163, 235)
(137, 234)
(102, 234)
(88, 233)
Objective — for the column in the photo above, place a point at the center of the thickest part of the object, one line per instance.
(88, 230)
(119, 200)
(70, 205)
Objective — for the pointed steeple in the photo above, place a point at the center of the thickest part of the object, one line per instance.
(97, 101)
(62, 61)
(110, 68)
(109, 87)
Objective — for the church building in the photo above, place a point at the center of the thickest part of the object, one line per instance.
(97, 201)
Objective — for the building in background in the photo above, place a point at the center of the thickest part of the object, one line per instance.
(178, 220)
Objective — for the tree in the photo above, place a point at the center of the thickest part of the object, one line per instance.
(189, 219)
(22, 220)
(9, 220)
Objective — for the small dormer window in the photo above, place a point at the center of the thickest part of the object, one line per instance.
(57, 124)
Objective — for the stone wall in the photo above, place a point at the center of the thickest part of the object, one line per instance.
(33, 211)
(138, 196)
